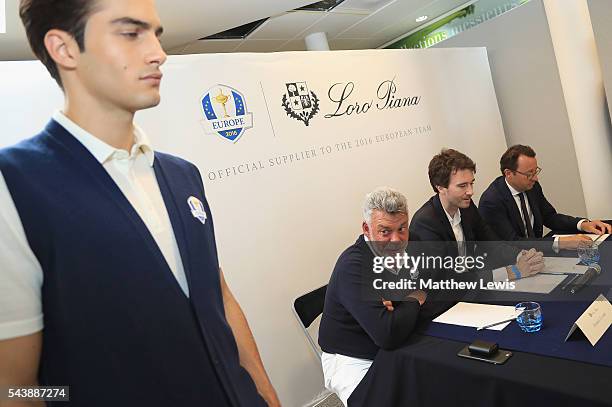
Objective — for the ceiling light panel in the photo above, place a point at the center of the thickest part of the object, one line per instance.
(286, 26)
(236, 33)
(325, 5)
(363, 5)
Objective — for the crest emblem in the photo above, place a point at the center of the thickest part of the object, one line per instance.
(197, 209)
(225, 113)
(300, 103)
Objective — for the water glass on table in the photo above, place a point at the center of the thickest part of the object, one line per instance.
(530, 320)
(588, 253)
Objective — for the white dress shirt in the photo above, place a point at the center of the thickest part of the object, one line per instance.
(516, 195)
(21, 275)
(455, 222)
(499, 274)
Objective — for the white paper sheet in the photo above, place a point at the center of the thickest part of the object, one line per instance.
(593, 236)
(477, 315)
(540, 283)
(563, 265)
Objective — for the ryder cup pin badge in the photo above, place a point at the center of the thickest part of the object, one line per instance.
(197, 209)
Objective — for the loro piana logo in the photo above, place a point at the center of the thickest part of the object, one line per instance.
(300, 103)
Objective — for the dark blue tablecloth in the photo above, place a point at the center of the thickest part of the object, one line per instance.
(549, 341)
(426, 371)
(560, 310)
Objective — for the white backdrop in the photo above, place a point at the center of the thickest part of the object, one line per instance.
(282, 222)
(2, 17)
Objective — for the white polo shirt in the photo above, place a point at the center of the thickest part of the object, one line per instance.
(21, 276)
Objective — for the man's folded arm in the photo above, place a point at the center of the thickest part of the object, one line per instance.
(388, 329)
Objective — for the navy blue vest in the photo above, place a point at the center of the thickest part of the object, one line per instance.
(118, 328)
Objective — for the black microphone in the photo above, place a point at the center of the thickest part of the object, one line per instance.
(586, 278)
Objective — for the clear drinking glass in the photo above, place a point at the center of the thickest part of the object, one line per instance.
(588, 253)
(531, 318)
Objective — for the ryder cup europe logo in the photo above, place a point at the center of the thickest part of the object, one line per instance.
(225, 113)
(300, 103)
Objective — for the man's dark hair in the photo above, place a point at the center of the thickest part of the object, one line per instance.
(509, 159)
(446, 163)
(40, 16)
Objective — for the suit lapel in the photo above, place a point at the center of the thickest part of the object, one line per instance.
(535, 209)
(466, 224)
(510, 203)
(441, 215)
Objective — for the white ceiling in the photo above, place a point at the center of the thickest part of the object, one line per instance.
(354, 24)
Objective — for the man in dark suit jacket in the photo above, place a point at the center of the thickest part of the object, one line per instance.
(451, 216)
(516, 208)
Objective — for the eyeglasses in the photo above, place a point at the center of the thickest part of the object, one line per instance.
(530, 175)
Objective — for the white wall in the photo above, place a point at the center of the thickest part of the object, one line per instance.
(583, 89)
(280, 229)
(601, 15)
(530, 96)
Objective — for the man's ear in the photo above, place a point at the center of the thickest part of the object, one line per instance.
(366, 229)
(507, 172)
(439, 188)
(62, 48)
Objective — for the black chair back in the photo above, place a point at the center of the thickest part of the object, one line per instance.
(310, 305)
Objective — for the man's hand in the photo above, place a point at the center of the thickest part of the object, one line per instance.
(388, 305)
(418, 295)
(572, 242)
(596, 226)
(530, 263)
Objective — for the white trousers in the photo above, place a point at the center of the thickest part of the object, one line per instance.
(342, 373)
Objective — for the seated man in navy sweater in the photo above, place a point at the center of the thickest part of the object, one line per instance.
(353, 328)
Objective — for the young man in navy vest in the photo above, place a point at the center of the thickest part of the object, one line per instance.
(109, 277)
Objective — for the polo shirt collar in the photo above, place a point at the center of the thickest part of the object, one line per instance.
(101, 150)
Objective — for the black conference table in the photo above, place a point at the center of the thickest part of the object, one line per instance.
(426, 371)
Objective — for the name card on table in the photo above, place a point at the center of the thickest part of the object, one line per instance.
(595, 321)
